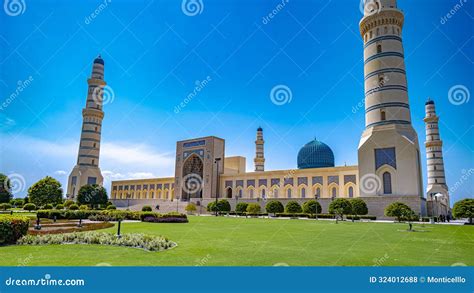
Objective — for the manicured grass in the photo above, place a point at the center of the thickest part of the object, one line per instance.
(265, 242)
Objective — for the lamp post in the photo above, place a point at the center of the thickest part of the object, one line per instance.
(217, 160)
(128, 200)
(316, 197)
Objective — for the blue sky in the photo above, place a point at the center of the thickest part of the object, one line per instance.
(154, 55)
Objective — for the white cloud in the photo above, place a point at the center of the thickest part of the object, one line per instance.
(60, 172)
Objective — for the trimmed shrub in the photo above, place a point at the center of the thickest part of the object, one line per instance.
(293, 207)
(340, 206)
(146, 209)
(253, 208)
(274, 206)
(48, 206)
(18, 202)
(211, 207)
(83, 207)
(191, 208)
(68, 203)
(223, 205)
(29, 207)
(292, 215)
(361, 217)
(111, 207)
(359, 207)
(5, 206)
(73, 207)
(312, 207)
(241, 207)
(12, 228)
(59, 206)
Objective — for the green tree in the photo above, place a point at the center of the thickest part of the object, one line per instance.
(274, 206)
(293, 207)
(211, 207)
(47, 190)
(340, 206)
(5, 189)
(464, 209)
(92, 194)
(312, 207)
(191, 208)
(397, 210)
(359, 207)
(223, 205)
(241, 207)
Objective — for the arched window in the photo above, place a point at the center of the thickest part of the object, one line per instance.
(240, 193)
(318, 192)
(93, 162)
(379, 48)
(387, 183)
(383, 116)
(251, 193)
(334, 191)
(275, 193)
(303, 192)
(351, 191)
(263, 193)
(288, 193)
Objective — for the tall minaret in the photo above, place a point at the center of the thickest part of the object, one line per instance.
(388, 148)
(259, 154)
(87, 169)
(435, 166)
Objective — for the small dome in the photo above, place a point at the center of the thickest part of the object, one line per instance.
(315, 154)
(429, 102)
(260, 129)
(99, 60)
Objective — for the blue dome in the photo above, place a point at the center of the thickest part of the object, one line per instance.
(315, 154)
(99, 60)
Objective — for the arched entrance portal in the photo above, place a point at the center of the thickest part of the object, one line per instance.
(192, 183)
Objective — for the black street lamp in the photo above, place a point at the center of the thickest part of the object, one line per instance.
(118, 228)
(316, 197)
(128, 201)
(217, 160)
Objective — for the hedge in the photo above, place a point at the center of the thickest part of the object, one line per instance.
(241, 207)
(363, 217)
(165, 220)
(12, 228)
(29, 207)
(146, 209)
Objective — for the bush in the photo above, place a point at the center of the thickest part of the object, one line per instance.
(146, 209)
(292, 215)
(359, 207)
(12, 228)
(83, 207)
(5, 206)
(253, 208)
(293, 207)
(68, 203)
(111, 207)
(5, 189)
(312, 207)
(397, 210)
(340, 206)
(241, 207)
(148, 242)
(223, 205)
(18, 202)
(92, 194)
(29, 207)
(48, 206)
(59, 206)
(191, 208)
(73, 207)
(274, 206)
(211, 207)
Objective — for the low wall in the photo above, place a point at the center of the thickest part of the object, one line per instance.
(376, 205)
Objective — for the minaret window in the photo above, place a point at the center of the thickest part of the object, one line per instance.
(379, 48)
(371, 34)
(93, 162)
(383, 115)
(378, 32)
(318, 192)
(387, 183)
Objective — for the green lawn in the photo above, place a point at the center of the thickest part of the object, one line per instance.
(265, 242)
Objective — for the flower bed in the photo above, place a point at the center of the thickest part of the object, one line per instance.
(165, 220)
(147, 242)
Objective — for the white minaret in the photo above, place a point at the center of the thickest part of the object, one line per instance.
(436, 190)
(259, 154)
(87, 169)
(388, 149)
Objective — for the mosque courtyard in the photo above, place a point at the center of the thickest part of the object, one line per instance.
(228, 241)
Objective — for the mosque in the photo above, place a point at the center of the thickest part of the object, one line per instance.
(388, 170)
